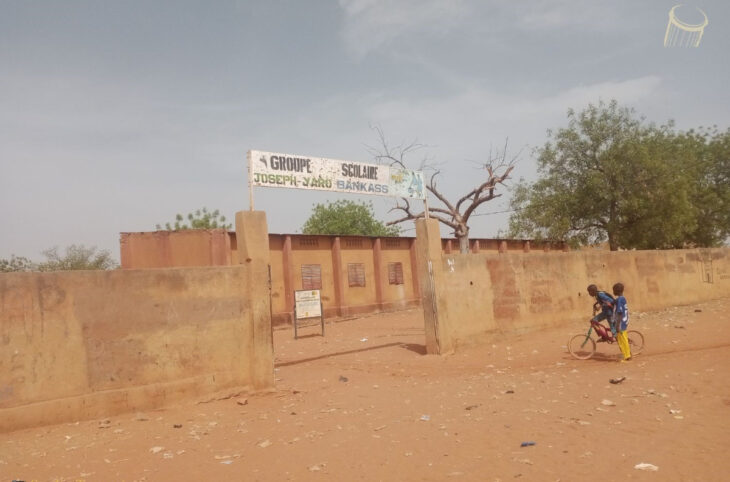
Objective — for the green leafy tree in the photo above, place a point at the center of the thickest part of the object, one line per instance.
(346, 218)
(15, 264)
(609, 176)
(77, 257)
(199, 219)
(706, 153)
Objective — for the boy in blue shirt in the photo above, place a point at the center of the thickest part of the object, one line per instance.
(621, 321)
(605, 303)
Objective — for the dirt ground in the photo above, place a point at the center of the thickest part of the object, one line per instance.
(365, 403)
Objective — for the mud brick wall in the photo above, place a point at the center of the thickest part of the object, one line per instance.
(76, 345)
(484, 294)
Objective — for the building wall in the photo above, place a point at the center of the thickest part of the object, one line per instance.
(83, 344)
(278, 293)
(219, 247)
(483, 294)
(315, 250)
(358, 251)
(398, 296)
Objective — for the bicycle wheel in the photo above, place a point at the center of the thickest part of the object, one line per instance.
(582, 347)
(636, 341)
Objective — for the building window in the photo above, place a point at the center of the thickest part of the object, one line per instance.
(395, 273)
(353, 243)
(392, 243)
(312, 242)
(311, 277)
(356, 274)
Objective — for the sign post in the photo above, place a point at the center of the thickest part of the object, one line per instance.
(307, 304)
(250, 181)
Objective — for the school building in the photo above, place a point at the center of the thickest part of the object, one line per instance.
(356, 274)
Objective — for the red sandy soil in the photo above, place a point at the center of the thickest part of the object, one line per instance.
(365, 403)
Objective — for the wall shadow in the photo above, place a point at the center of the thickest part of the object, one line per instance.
(414, 347)
(310, 335)
(408, 346)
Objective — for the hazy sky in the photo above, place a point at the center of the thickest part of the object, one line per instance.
(116, 115)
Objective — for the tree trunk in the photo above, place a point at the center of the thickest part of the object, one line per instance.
(612, 241)
(463, 243)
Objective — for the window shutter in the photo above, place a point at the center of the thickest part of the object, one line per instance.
(395, 273)
(311, 277)
(356, 274)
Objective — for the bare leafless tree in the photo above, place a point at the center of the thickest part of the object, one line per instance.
(454, 215)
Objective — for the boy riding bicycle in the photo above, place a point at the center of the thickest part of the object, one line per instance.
(605, 303)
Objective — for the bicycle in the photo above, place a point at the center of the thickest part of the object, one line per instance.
(583, 346)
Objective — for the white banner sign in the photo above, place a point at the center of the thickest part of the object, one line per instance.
(272, 169)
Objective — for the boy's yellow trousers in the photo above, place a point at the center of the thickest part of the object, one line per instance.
(623, 344)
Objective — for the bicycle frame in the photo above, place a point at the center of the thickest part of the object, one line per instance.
(595, 325)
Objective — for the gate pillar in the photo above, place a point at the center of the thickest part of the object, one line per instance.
(430, 269)
(252, 240)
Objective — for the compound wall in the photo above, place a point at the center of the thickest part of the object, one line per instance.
(177, 249)
(483, 294)
(75, 345)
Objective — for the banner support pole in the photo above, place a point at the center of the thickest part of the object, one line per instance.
(250, 181)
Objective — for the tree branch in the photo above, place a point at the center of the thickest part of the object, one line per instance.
(410, 216)
(497, 167)
(394, 156)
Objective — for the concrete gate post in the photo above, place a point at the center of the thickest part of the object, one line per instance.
(430, 269)
(252, 239)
